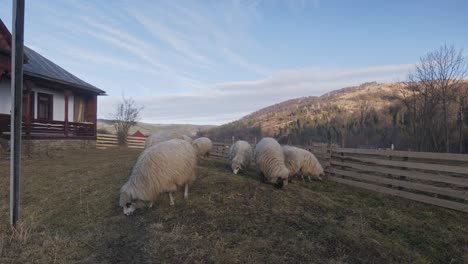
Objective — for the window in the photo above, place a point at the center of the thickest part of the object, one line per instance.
(44, 106)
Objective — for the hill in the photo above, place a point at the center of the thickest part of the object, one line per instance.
(105, 125)
(327, 114)
(350, 99)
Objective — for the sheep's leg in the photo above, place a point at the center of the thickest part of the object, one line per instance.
(302, 176)
(186, 191)
(171, 203)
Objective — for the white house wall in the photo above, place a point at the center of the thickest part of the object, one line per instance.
(5, 96)
(58, 101)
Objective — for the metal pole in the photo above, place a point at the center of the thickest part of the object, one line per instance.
(16, 107)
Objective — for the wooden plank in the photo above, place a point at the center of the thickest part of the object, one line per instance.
(407, 173)
(409, 154)
(136, 138)
(412, 165)
(136, 141)
(136, 147)
(403, 194)
(107, 139)
(107, 142)
(106, 136)
(405, 184)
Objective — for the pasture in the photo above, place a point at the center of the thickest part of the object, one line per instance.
(70, 214)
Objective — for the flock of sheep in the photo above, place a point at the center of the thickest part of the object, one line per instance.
(169, 161)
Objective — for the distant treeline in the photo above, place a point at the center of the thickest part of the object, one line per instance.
(428, 113)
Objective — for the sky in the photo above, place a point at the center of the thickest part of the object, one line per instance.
(212, 62)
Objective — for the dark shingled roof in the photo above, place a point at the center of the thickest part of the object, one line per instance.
(41, 67)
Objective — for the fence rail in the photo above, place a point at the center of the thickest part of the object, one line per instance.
(434, 178)
(108, 141)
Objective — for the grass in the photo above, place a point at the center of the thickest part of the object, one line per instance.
(70, 214)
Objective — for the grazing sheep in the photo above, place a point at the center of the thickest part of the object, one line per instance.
(202, 146)
(164, 136)
(302, 162)
(270, 160)
(159, 169)
(187, 138)
(240, 155)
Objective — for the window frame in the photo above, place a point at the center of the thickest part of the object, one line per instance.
(50, 98)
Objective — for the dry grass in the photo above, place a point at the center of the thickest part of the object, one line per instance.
(70, 215)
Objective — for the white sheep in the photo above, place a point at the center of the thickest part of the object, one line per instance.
(270, 160)
(203, 146)
(187, 138)
(240, 155)
(162, 136)
(302, 162)
(159, 169)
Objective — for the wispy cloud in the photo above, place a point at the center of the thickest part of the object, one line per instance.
(179, 42)
(236, 99)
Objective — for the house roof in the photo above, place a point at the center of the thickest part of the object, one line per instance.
(41, 67)
(138, 134)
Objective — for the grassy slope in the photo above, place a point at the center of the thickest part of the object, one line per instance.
(70, 214)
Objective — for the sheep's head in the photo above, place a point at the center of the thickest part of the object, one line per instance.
(281, 178)
(128, 204)
(236, 167)
(125, 201)
(312, 168)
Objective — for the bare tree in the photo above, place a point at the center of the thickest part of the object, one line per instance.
(438, 77)
(126, 116)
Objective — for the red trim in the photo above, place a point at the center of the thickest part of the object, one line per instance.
(5, 33)
(66, 97)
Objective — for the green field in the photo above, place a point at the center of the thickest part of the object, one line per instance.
(70, 214)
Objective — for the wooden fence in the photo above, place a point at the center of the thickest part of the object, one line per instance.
(219, 151)
(108, 141)
(435, 178)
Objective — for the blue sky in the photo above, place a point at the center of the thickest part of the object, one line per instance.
(210, 62)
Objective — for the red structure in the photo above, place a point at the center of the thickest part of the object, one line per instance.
(138, 134)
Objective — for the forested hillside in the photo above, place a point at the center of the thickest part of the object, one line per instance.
(371, 115)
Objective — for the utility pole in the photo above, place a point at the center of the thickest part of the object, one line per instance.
(16, 107)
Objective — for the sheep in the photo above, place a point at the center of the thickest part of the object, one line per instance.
(240, 155)
(202, 146)
(302, 162)
(159, 169)
(162, 136)
(187, 138)
(270, 160)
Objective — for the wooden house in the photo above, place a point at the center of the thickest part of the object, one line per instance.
(57, 105)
